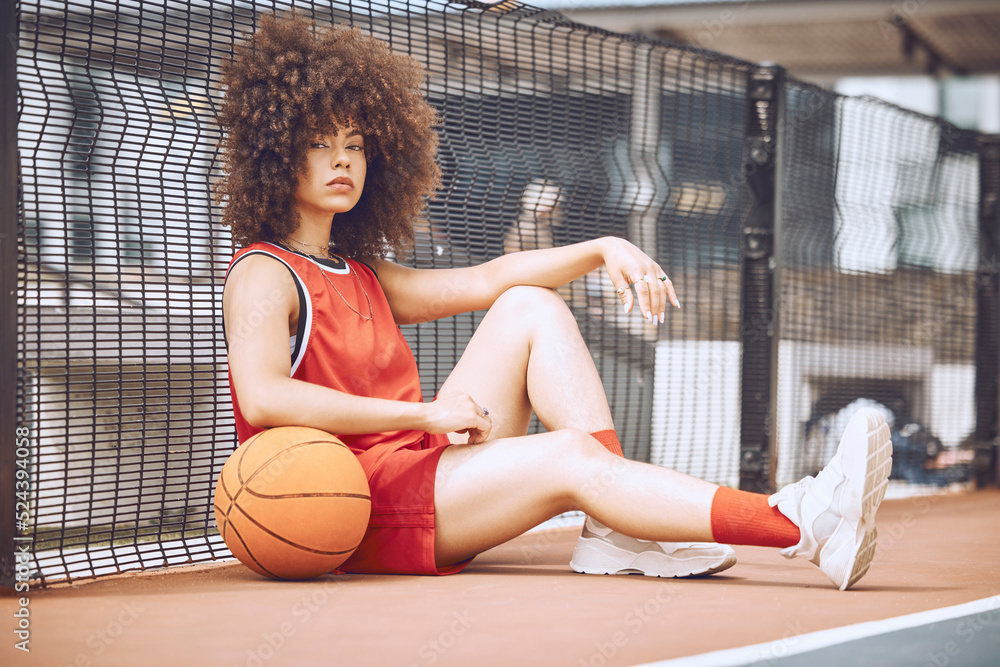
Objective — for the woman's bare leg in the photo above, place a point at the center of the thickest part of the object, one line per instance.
(528, 353)
(492, 492)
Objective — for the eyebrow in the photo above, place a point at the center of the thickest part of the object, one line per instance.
(350, 135)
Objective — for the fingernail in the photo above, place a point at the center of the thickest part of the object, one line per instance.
(661, 318)
(625, 307)
(649, 316)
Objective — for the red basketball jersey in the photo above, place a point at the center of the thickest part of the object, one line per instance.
(337, 345)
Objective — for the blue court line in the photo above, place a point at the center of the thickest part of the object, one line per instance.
(965, 635)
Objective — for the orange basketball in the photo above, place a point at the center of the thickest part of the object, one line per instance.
(292, 503)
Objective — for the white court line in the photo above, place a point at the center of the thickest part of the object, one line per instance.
(748, 655)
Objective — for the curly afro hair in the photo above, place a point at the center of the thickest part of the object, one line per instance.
(290, 83)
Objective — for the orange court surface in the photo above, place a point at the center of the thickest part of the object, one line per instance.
(520, 604)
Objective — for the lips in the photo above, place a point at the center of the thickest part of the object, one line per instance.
(342, 183)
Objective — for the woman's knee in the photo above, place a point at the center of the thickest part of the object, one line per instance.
(593, 468)
(577, 448)
(533, 305)
(527, 298)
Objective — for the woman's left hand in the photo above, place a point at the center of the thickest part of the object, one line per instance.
(628, 266)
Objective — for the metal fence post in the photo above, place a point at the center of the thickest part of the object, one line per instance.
(759, 246)
(988, 313)
(8, 287)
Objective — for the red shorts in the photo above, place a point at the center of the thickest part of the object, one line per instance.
(400, 536)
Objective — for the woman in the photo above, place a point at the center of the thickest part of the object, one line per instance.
(329, 159)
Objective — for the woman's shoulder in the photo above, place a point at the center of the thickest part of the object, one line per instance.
(261, 254)
(259, 285)
(260, 248)
(259, 261)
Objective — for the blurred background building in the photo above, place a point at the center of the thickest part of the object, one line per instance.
(938, 58)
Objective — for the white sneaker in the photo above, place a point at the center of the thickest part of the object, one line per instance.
(835, 511)
(601, 550)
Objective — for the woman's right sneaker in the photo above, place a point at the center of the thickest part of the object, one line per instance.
(835, 511)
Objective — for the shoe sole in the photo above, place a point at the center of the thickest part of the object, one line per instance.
(591, 557)
(878, 463)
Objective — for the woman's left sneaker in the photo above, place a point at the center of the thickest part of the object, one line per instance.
(601, 550)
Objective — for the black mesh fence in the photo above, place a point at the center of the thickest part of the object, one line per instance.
(859, 219)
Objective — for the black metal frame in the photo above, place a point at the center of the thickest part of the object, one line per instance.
(758, 257)
(988, 313)
(8, 288)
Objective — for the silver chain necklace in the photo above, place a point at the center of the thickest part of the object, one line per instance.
(326, 252)
(325, 249)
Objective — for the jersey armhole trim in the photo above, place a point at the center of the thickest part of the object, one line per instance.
(305, 306)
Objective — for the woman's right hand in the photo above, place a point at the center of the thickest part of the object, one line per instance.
(458, 414)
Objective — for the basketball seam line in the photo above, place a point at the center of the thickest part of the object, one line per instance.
(225, 512)
(307, 495)
(239, 465)
(293, 544)
(246, 547)
(222, 482)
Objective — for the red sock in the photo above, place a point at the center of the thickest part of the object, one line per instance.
(609, 439)
(741, 517)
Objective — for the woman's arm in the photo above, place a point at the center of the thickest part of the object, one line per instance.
(421, 295)
(259, 302)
